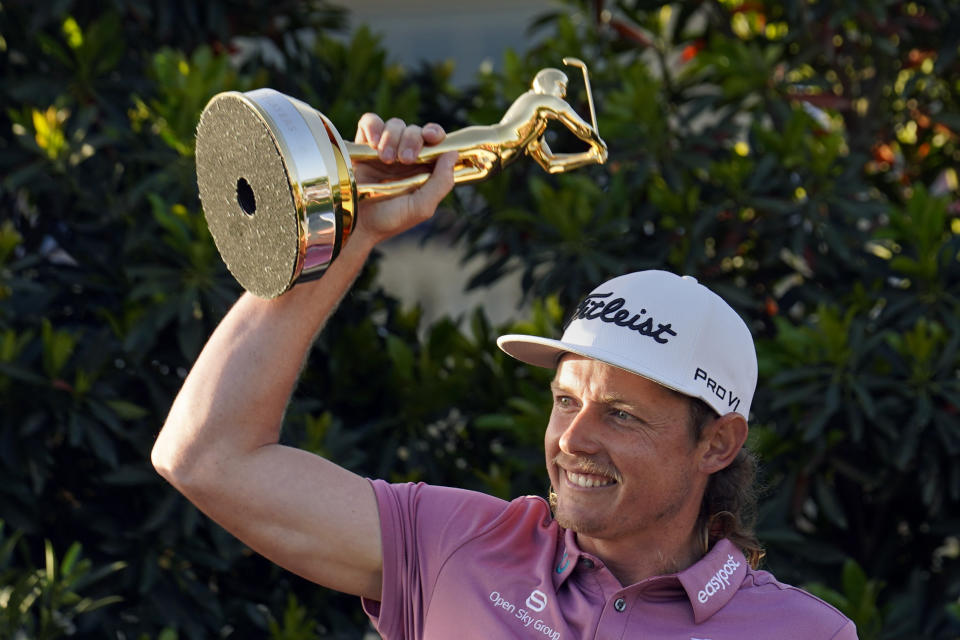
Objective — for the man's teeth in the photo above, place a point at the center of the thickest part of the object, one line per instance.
(584, 480)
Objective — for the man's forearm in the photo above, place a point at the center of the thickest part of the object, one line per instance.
(234, 398)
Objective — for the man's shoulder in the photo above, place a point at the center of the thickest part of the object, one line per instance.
(463, 506)
(808, 615)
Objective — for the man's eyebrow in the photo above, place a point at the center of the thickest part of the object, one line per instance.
(613, 398)
(609, 399)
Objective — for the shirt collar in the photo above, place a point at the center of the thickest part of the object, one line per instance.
(568, 556)
(711, 582)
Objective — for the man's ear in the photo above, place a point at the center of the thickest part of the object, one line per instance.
(721, 441)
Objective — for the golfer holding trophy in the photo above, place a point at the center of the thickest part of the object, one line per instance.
(646, 530)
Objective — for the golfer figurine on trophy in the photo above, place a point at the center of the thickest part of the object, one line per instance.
(277, 183)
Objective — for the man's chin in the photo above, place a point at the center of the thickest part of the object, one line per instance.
(581, 526)
(576, 523)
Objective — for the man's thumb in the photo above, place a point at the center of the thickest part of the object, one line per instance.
(440, 182)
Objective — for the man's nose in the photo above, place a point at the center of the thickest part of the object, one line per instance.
(581, 434)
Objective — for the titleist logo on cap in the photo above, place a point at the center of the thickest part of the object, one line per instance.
(596, 306)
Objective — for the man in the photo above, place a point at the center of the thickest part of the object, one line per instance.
(654, 378)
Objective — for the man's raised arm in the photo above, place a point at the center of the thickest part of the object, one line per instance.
(219, 445)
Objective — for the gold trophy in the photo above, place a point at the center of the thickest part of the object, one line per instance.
(277, 184)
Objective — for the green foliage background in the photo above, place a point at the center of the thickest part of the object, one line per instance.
(798, 157)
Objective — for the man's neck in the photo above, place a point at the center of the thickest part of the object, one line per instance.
(634, 560)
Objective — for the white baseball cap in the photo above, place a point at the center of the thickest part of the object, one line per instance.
(667, 328)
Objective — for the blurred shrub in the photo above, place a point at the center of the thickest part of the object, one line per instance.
(44, 603)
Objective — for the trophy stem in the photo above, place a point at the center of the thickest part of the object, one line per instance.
(463, 172)
(374, 191)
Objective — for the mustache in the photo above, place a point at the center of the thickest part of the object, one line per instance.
(580, 464)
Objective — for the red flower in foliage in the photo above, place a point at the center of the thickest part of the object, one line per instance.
(916, 57)
(771, 306)
(691, 50)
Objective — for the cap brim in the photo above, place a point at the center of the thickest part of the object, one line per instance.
(545, 352)
(540, 352)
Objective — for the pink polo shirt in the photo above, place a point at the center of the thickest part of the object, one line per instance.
(459, 565)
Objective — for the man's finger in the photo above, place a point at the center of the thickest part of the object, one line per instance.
(390, 140)
(411, 142)
(369, 129)
(439, 184)
(433, 133)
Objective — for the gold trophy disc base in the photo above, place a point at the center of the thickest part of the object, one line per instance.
(246, 194)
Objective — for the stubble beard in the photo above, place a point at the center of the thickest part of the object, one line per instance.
(586, 525)
(583, 525)
(596, 524)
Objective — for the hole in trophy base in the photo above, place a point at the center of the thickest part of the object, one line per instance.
(245, 197)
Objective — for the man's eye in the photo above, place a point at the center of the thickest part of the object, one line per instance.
(620, 414)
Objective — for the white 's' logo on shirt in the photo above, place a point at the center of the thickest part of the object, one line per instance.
(537, 600)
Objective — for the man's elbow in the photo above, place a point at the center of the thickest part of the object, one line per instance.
(173, 460)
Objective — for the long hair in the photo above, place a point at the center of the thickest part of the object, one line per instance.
(729, 505)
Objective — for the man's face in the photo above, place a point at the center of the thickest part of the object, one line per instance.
(620, 454)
